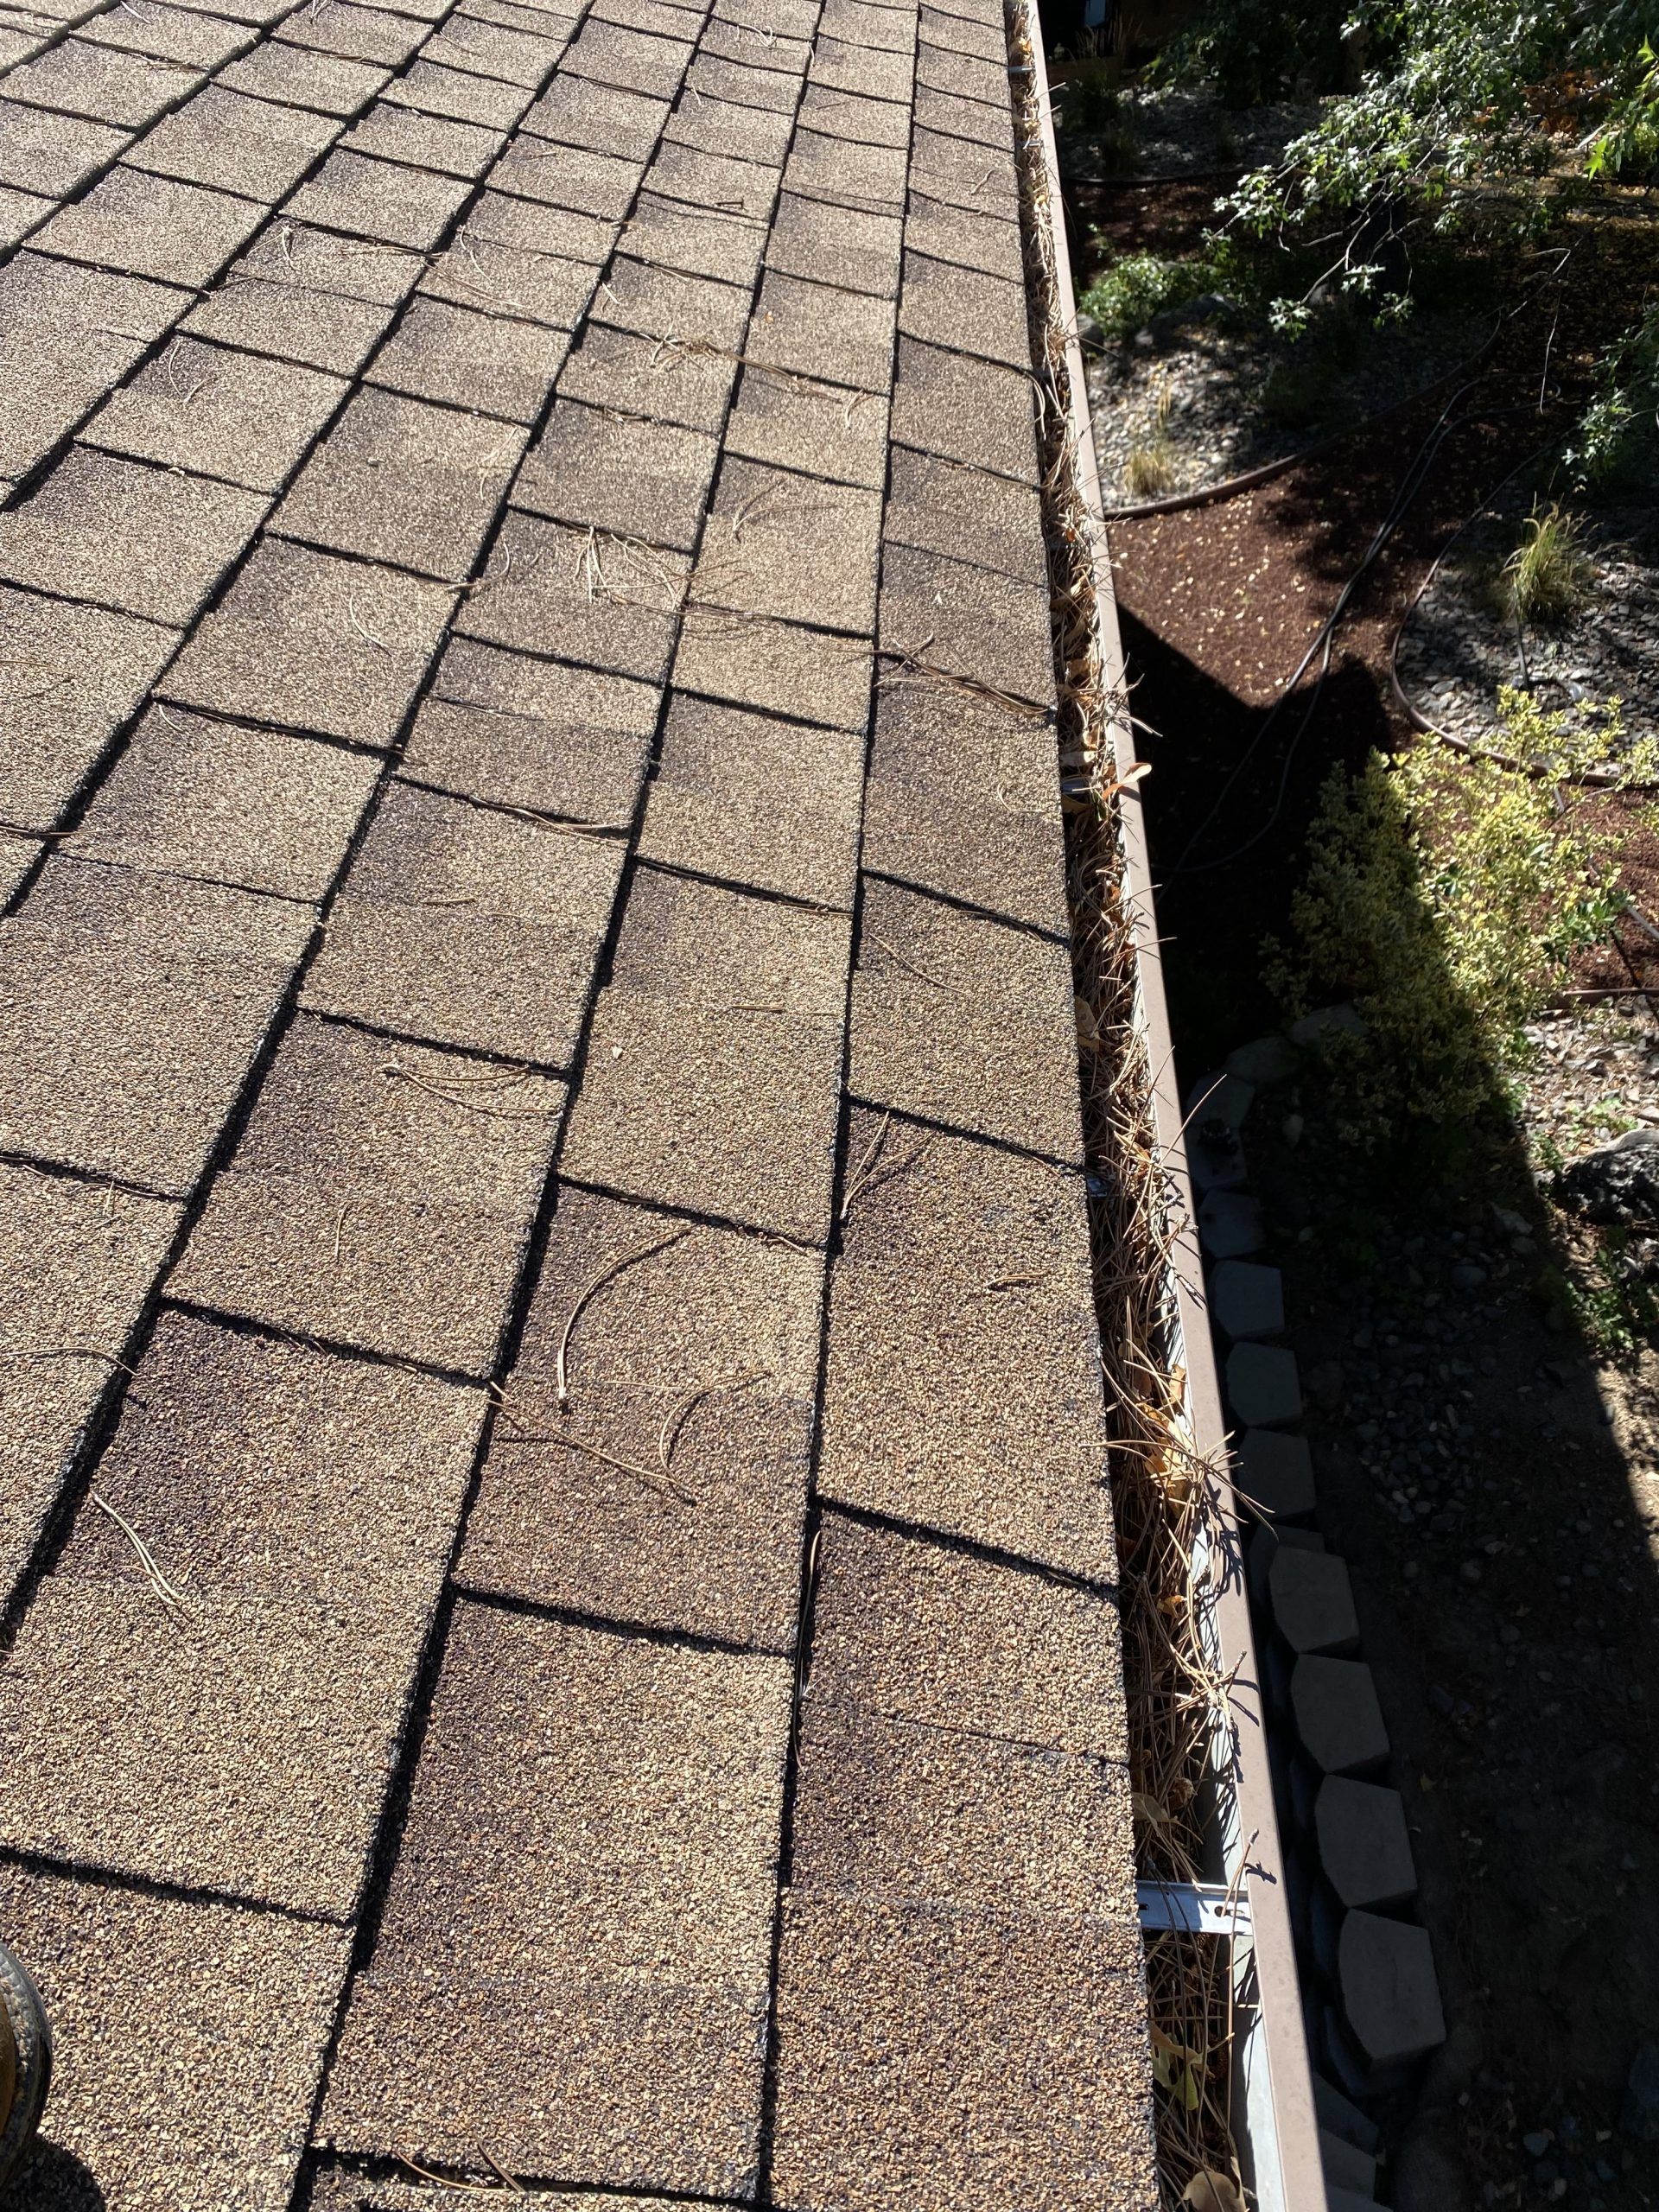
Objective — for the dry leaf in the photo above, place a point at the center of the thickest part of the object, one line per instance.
(1087, 1035)
(1149, 1808)
(1208, 2191)
(1174, 2068)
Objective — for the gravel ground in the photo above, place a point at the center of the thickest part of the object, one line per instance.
(1203, 370)
(1459, 645)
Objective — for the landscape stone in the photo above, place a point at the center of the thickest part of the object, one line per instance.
(1230, 1224)
(1263, 1062)
(1261, 1384)
(1312, 1602)
(1365, 1847)
(1338, 1717)
(1390, 1992)
(1247, 1300)
(1277, 1473)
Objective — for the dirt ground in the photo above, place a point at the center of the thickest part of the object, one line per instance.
(1491, 1478)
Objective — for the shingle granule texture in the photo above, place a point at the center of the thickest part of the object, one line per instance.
(548, 1368)
(589, 1863)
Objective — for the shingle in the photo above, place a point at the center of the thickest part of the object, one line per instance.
(253, 807)
(183, 34)
(891, 30)
(672, 383)
(713, 1545)
(551, 26)
(486, 50)
(328, 82)
(307, 261)
(319, 643)
(822, 429)
(967, 411)
(985, 38)
(925, 1633)
(846, 174)
(437, 91)
(964, 799)
(315, 327)
(69, 676)
(955, 2059)
(582, 595)
(704, 945)
(788, 22)
(100, 82)
(630, 59)
(465, 925)
(757, 801)
(775, 666)
(973, 118)
(52, 154)
(78, 1263)
(814, 331)
(379, 200)
(705, 180)
(658, 303)
(701, 241)
(245, 1750)
(648, 480)
(66, 336)
(963, 1390)
(534, 735)
(962, 309)
(360, 34)
(674, 1072)
(223, 138)
(17, 855)
(580, 177)
(446, 352)
(236, 416)
(966, 1021)
(951, 56)
(840, 112)
(792, 548)
(968, 621)
(432, 142)
(509, 259)
(396, 479)
(573, 1959)
(153, 226)
(755, 46)
(660, 16)
(990, 243)
(718, 126)
(579, 112)
(976, 177)
(878, 72)
(946, 1816)
(266, 1469)
(190, 2038)
(381, 1196)
(147, 540)
(336, 2189)
(534, 230)
(133, 1009)
(835, 245)
(718, 79)
(994, 521)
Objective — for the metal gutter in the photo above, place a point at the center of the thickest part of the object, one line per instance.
(1275, 2127)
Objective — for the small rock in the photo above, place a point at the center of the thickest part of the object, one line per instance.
(1537, 2143)
(1318, 1029)
(1638, 2114)
(1263, 1061)
(1468, 1276)
(1091, 336)
(1618, 1184)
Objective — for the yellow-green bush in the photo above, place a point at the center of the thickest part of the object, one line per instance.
(1445, 894)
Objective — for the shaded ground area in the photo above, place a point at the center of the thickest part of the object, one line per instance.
(556, 1577)
(1485, 1471)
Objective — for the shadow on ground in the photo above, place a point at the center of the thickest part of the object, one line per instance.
(1489, 1476)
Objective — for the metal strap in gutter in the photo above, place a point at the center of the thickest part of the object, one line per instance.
(1274, 2123)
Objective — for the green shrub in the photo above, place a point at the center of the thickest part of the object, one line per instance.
(1446, 894)
(1126, 295)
